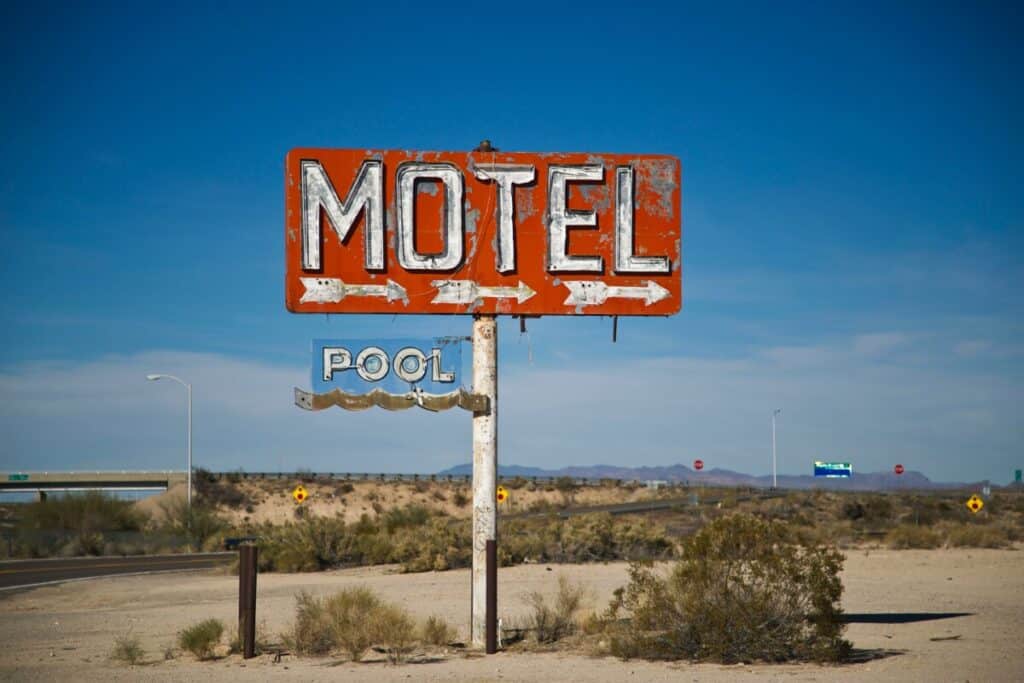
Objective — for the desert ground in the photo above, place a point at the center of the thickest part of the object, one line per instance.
(271, 501)
(899, 602)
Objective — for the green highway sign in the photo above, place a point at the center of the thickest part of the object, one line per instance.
(17, 477)
(832, 469)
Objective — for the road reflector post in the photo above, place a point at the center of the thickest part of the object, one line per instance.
(247, 599)
(492, 597)
(974, 504)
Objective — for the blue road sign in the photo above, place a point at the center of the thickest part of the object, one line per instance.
(832, 469)
(396, 366)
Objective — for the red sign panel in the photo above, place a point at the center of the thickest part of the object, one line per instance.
(698, 465)
(898, 469)
(482, 232)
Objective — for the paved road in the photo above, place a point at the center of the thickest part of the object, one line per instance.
(22, 573)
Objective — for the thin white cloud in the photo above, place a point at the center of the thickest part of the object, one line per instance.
(971, 348)
(879, 342)
(104, 414)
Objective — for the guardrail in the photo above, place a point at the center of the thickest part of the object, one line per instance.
(310, 477)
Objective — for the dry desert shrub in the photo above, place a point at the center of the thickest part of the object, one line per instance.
(311, 633)
(550, 623)
(437, 632)
(907, 536)
(200, 639)
(977, 535)
(352, 620)
(392, 628)
(127, 650)
(261, 645)
(350, 613)
(743, 590)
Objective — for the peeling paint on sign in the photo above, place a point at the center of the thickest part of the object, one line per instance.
(369, 231)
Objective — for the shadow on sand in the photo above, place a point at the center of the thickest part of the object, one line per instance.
(863, 655)
(900, 617)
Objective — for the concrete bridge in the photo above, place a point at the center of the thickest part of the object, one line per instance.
(42, 483)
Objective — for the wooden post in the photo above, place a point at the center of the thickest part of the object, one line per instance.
(247, 599)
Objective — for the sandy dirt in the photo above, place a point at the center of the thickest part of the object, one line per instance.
(66, 632)
(271, 500)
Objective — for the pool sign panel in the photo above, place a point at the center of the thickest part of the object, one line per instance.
(832, 469)
(392, 365)
(395, 231)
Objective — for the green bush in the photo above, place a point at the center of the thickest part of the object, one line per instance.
(977, 536)
(127, 650)
(200, 639)
(350, 613)
(198, 523)
(409, 516)
(439, 546)
(906, 536)
(743, 590)
(351, 620)
(311, 634)
(212, 492)
(596, 537)
(79, 524)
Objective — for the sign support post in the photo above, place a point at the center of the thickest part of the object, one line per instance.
(485, 473)
(396, 232)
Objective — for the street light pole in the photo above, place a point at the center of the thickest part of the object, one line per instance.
(775, 479)
(188, 389)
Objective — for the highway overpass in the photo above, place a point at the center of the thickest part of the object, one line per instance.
(42, 483)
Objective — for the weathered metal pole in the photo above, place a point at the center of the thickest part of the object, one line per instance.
(247, 600)
(775, 479)
(485, 469)
(491, 631)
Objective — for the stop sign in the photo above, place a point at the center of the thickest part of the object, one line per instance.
(698, 465)
(898, 469)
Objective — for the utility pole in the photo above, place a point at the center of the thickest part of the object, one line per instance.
(775, 477)
(483, 592)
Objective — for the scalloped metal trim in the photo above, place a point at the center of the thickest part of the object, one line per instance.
(476, 403)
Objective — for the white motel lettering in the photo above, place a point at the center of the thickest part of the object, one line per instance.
(373, 364)
(366, 196)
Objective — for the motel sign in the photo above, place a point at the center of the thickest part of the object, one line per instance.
(482, 232)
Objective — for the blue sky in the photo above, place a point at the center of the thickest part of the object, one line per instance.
(852, 213)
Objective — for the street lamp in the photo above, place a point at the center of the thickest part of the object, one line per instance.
(188, 387)
(775, 480)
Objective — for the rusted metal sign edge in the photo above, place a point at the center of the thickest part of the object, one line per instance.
(398, 231)
(433, 402)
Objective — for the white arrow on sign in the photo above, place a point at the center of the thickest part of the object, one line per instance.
(467, 291)
(331, 290)
(594, 292)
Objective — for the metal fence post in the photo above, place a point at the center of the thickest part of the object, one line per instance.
(247, 600)
(492, 597)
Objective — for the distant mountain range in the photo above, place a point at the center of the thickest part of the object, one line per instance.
(860, 481)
